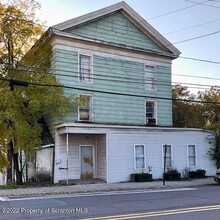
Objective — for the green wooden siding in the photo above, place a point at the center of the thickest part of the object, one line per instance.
(115, 76)
(118, 29)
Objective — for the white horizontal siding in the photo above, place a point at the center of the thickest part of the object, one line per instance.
(121, 152)
(101, 157)
(75, 141)
(118, 151)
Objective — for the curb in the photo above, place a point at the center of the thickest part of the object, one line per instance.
(99, 188)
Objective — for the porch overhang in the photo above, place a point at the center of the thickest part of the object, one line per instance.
(88, 128)
(77, 128)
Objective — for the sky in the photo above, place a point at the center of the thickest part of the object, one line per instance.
(193, 26)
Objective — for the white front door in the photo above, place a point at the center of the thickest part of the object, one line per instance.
(87, 162)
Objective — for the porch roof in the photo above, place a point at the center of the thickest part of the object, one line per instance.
(86, 128)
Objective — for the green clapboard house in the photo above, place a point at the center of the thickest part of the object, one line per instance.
(121, 68)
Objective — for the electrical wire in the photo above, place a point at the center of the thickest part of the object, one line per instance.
(129, 69)
(200, 60)
(125, 69)
(172, 12)
(115, 93)
(119, 94)
(203, 3)
(125, 79)
(191, 27)
(189, 39)
(186, 40)
(198, 37)
(105, 75)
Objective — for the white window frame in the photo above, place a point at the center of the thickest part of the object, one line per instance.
(195, 156)
(155, 110)
(135, 163)
(150, 83)
(90, 78)
(91, 108)
(171, 148)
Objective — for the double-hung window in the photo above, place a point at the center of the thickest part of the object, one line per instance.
(150, 77)
(139, 156)
(167, 154)
(191, 155)
(85, 108)
(85, 68)
(150, 109)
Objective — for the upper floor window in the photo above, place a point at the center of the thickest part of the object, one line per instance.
(150, 77)
(192, 155)
(139, 156)
(85, 108)
(150, 108)
(85, 68)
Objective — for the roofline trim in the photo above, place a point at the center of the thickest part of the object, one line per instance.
(89, 125)
(112, 44)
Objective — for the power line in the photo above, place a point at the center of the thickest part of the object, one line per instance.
(123, 70)
(214, 62)
(126, 69)
(125, 79)
(113, 93)
(148, 19)
(198, 37)
(200, 60)
(203, 3)
(186, 40)
(108, 76)
(191, 27)
(199, 77)
(172, 12)
(195, 59)
(181, 9)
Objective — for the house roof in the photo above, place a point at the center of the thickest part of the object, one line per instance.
(133, 16)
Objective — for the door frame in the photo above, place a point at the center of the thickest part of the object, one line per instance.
(80, 159)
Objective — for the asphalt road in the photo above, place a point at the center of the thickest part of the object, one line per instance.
(188, 203)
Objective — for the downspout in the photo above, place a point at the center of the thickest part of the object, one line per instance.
(67, 158)
(96, 158)
(53, 166)
(107, 160)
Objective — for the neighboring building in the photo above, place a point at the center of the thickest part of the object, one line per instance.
(3, 177)
(121, 67)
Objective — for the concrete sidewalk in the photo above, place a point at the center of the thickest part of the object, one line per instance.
(105, 187)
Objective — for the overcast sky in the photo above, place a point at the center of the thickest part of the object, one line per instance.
(179, 21)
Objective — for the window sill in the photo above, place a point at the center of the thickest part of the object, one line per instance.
(84, 121)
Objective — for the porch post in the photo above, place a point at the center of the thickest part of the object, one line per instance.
(67, 158)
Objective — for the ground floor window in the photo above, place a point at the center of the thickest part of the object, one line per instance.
(139, 156)
(192, 155)
(167, 154)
